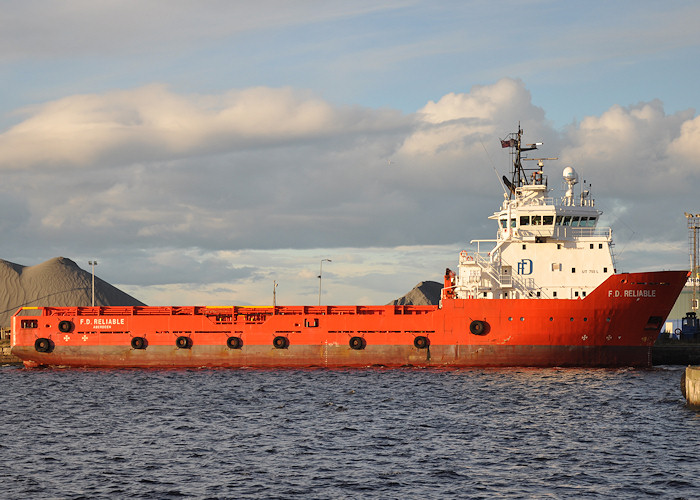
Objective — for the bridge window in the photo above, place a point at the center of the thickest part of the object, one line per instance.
(536, 220)
(566, 221)
(524, 220)
(574, 221)
(548, 220)
(559, 219)
(504, 223)
(512, 223)
(584, 222)
(600, 245)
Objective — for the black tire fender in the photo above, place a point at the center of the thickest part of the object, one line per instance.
(421, 342)
(183, 342)
(234, 342)
(65, 326)
(478, 327)
(357, 343)
(280, 342)
(43, 345)
(138, 343)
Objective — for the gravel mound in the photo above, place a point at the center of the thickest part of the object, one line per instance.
(56, 282)
(425, 293)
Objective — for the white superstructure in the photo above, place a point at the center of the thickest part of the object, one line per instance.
(545, 247)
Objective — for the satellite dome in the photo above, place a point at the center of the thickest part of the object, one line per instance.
(570, 174)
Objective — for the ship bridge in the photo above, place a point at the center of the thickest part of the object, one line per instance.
(545, 246)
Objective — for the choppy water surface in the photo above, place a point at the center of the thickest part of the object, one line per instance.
(373, 433)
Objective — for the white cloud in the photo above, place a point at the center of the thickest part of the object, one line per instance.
(684, 147)
(152, 123)
(637, 149)
(166, 184)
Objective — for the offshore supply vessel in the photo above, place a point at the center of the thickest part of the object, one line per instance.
(544, 292)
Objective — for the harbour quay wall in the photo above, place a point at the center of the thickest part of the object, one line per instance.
(690, 385)
(667, 351)
(6, 357)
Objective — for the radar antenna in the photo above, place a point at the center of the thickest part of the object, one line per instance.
(519, 174)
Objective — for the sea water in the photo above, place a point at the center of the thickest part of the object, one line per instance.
(364, 433)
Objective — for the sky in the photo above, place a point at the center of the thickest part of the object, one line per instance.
(202, 151)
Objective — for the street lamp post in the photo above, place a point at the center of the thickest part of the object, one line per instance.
(93, 263)
(320, 274)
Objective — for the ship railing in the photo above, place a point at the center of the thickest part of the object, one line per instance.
(573, 233)
(521, 284)
(494, 273)
(541, 231)
(525, 200)
(535, 201)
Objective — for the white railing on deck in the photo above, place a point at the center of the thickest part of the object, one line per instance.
(568, 232)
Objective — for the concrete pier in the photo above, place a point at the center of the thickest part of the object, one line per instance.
(690, 385)
(6, 358)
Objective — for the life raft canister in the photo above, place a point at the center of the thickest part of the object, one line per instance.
(138, 343)
(421, 342)
(280, 342)
(234, 342)
(357, 343)
(183, 342)
(43, 345)
(65, 326)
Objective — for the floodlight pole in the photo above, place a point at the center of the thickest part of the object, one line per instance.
(93, 263)
(320, 274)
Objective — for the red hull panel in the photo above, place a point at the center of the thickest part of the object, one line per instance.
(615, 325)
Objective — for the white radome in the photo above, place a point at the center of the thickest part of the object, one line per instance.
(570, 175)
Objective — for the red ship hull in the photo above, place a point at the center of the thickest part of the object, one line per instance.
(615, 325)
